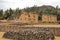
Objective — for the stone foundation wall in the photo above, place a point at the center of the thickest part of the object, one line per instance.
(30, 35)
(54, 30)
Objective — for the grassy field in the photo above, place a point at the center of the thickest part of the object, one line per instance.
(1, 34)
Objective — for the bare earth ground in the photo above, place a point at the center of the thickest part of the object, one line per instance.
(57, 38)
(1, 34)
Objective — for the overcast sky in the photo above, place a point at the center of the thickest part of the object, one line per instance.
(6, 4)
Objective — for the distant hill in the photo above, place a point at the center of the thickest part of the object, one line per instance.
(46, 6)
(41, 9)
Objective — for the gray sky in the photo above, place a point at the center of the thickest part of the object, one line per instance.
(6, 4)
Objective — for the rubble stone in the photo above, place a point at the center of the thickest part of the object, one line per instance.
(30, 35)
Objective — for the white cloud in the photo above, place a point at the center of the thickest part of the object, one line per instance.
(48, 2)
(5, 4)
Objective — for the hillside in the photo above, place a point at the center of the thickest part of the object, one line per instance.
(15, 14)
(40, 8)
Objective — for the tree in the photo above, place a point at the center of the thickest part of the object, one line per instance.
(34, 8)
(1, 14)
(17, 13)
(8, 14)
(27, 9)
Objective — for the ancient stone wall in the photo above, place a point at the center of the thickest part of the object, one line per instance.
(25, 34)
(56, 31)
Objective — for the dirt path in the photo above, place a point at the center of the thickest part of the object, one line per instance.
(1, 34)
(57, 38)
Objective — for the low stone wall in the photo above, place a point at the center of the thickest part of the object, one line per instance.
(15, 28)
(25, 34)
